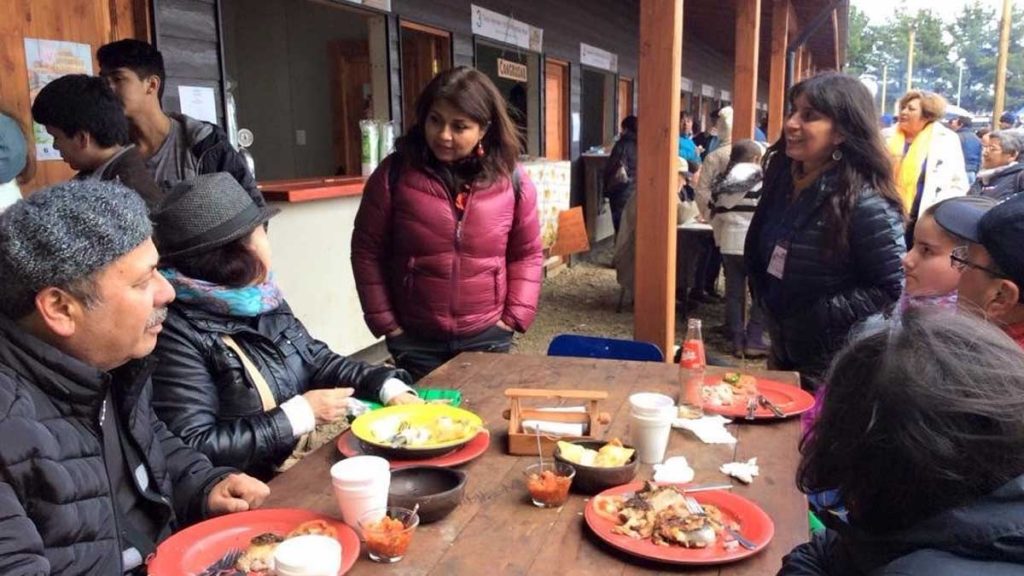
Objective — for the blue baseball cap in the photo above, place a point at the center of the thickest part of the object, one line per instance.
(996, 226)
(12, 149)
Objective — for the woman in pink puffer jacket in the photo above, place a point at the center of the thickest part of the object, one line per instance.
(446, 250)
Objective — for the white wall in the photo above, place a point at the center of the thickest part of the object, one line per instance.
(311, 244)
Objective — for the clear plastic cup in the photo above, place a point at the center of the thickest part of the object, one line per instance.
(388, 532)
(548, 483)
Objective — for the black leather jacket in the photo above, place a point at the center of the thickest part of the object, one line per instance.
(202, 391)
(811, 310)
(57, 505)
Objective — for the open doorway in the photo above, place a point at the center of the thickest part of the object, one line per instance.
(303, 73)
(556, 109)
(517, 75)
(426, 51)
(625, 98)
(598, 108)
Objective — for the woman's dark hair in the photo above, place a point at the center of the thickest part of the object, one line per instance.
(471, 92)
(79, 103)
(233, 265)
(629, 124)
(865, 160)
(920, 414)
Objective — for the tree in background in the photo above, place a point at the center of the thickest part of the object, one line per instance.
(972, 38)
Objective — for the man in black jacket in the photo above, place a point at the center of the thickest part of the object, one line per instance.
(1003, 174)
(176, 147)
(90, 479)
(90, 131)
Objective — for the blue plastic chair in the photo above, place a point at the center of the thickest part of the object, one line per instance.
(579, 346)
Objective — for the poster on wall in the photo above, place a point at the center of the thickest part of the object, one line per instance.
(199, 102)
(553, 181)
(47, 60)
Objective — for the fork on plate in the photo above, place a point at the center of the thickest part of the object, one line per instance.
(694, 507)
(226, 564)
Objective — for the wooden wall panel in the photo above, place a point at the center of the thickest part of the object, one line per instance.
(93, 22)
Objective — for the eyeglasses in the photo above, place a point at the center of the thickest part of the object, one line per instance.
(958, 260)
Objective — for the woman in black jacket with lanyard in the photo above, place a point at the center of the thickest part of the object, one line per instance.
(239, 378)
(824, 247)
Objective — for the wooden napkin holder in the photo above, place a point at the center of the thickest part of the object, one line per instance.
(523, 443)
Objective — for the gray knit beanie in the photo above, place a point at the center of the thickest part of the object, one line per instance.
(63, 234)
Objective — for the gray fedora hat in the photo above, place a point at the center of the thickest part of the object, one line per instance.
(205, 213)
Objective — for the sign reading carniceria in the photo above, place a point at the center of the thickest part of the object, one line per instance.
(512, 70)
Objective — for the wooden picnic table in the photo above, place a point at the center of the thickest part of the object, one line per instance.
(497, 531)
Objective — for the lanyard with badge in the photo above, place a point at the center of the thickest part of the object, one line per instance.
(777, 264)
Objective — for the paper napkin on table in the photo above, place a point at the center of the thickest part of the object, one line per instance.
(675, 470)
(710, 429)
(742, 471)
(555, 428)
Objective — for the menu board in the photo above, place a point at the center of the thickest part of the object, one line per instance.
(553, 180)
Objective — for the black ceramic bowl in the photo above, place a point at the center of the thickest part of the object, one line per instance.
(437, 490)
(595, 479)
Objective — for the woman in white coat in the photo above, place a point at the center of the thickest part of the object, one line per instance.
(928, 159)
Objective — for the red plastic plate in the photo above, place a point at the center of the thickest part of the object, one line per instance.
(754, 524)
(199, 546)
(349, 446)
(792, 400)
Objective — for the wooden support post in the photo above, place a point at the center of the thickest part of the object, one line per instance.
(748, 39)
(835, 36)
(661, 56)
(777, 79)
(910, 59)
(1004, 49)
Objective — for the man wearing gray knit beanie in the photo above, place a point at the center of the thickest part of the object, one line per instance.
(90, 480)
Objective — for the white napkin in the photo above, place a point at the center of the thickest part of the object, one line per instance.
(742, 471)
(555, 428)
(674, 470)
(710, 429)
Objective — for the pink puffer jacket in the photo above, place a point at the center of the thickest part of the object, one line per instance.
(418, 268)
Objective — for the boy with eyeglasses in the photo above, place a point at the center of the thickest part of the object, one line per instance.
(992, 264)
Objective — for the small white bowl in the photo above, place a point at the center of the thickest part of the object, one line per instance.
(312, 555)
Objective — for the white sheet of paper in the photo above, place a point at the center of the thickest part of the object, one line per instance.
(199, 102)
(575, 126)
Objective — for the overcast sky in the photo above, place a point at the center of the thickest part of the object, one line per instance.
(879, 10)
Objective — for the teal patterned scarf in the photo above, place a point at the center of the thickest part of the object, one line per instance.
(248, 301)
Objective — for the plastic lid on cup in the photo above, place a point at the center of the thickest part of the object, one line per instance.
(359, 470)
(309, 555)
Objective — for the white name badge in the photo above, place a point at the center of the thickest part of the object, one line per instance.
(778, 263)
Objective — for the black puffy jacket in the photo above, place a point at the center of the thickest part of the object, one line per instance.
(999, 184)
(810, 312)
(212, 152)
(985, 537)
(203, 393)
(56, 507)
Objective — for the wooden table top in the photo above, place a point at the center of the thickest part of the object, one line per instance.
(496, 531)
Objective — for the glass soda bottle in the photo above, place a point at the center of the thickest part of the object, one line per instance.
(692, 362)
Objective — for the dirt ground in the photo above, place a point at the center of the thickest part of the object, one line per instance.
(582, 300)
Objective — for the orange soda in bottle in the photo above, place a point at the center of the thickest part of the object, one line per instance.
(692, 362)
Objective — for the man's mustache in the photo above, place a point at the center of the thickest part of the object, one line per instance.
(156, 318)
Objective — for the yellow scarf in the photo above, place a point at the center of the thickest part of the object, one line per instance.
(907, 168)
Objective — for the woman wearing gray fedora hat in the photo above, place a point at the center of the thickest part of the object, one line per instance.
(239, 377)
